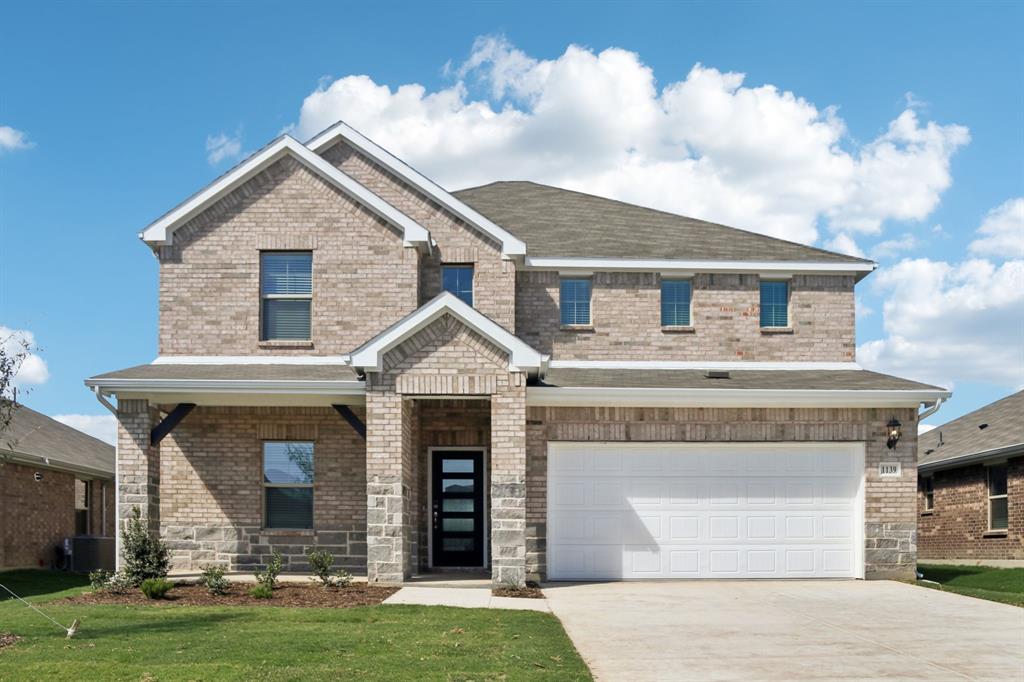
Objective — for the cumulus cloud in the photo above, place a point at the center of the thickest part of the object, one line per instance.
(1002, 231)
(11, 139)
(33, 368)
(223, 146)
(707, 145)
(890, 247)
(102, 426)
(844, 243)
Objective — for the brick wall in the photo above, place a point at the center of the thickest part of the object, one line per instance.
(957, 526)
(725, 315)
(37, 515)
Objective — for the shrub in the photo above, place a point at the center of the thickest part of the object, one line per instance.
(99, 579)
(214, 581)
(261, 591)
(155, 588)
(269, 576)
(105, 581)
(320, 563)
(145, 555)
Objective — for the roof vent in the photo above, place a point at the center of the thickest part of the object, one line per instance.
(929, 451)
(982, 426)
(717, 374)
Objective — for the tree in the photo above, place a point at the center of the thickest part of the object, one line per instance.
(14, 348)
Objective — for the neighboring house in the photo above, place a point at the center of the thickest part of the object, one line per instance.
(517, 378)
(55, 482)
(971, 485)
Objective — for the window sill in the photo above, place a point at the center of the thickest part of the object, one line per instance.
(776, 330)
(674, 329)
(927, 513)
(994, 534)
(577, 327)
(298, 532)
(282, 343)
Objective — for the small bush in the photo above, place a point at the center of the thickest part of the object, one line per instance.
(155, 588)
(105, 581)
(269, 576)
(145, 555)
(320, 563)
(261, 591)
(99, 579)
(214, 581)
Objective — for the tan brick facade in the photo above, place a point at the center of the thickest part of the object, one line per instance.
(957, 525)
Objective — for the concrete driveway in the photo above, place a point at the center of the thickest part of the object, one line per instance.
(788, 630)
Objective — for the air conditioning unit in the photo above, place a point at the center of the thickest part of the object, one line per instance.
(84, 553)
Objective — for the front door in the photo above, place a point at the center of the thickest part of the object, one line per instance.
(458, 513)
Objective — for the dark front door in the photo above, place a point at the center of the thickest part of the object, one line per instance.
(458, 513)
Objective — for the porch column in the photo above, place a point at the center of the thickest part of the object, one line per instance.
(508, 485)
(138, 467)
(389, 482)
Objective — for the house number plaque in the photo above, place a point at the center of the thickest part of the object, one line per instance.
(889, 469)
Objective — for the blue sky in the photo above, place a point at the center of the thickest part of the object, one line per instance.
(895, 130)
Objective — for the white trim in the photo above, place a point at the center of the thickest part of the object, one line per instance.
(53, 464)
(550, 396)
(371, 355)
(697, 364)
(510, 245)
(274, 386)
(983, 456)
(251, 360)
(161, 231)
(777, 269)
(485, 531)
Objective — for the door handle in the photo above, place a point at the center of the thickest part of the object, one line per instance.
(435, 519)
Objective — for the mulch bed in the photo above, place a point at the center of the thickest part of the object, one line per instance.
(7, 639)
(531, 591)
(286, 594)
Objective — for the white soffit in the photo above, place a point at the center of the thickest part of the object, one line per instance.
(689, 267)
(510, 244)
(733, 365)
(161, 231)
(550, 396)
(251, 360)
(371, 355)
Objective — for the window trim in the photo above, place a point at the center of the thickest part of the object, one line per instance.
(263, 338)
(1003, 496)
(689, 304)
(87, 506)
(472, 280)
(264, 485)
(789, 304)
(589, 324)
(928, 490)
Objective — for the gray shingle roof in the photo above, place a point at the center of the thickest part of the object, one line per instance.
(557, 222)
(962, 436)
(848, 379)
(235, 372)
(36, 435)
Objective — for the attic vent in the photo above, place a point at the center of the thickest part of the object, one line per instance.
(717, 374)
(982, 426)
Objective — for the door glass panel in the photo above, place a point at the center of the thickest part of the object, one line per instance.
(458, 525)
(457, 505)
(459, 544)
(457, 485)
(457, 466)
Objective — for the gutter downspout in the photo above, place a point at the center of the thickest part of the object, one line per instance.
(931, 410)
(118, 562)
(103, 400)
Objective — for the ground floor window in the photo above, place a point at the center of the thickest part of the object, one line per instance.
(928, 487)
(83, 499)
(288, 484)
(998, 504)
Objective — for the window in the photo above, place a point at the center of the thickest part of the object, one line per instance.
(286, 292)
(675, 303)
(998, 504)
(774, 304)
(574, 301)
(458, 279)
(928, 487)
(288, 484)
(83, 499)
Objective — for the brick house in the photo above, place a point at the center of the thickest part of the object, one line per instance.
(970, 486)
(55, 482)
(515, 378)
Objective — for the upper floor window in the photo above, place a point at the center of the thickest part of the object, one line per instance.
(288, 484)
(574, 301)
(458, 279)
(998, 503)
(928, 488)
(675, 303)
(286, 295)
(774, 304)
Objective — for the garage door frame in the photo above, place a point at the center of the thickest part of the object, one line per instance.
(856, 449)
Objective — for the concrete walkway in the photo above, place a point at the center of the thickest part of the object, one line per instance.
(788, 630)
(464, 597)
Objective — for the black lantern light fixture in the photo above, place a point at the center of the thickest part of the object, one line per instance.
(893, 431)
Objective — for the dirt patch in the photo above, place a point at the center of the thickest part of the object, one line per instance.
(531, 591)
(7, 639)
(357, 594)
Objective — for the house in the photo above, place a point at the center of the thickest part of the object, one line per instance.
(55, 482)
(971, 484)
(514, 378)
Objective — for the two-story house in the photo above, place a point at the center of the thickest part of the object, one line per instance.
(515, 378)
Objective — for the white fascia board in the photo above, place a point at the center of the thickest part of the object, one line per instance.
(688, 267)
(370, 356)
(199, 386)
(510, 244)
(53, 464)
(251, 360)
(994, 454)
(729, 365)
(551, 396)
(161, 231)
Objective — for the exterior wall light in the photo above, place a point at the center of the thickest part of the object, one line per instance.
(893, 432)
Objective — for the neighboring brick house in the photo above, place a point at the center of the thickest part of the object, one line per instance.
(55, 482)
(971, 486)
(522, 379)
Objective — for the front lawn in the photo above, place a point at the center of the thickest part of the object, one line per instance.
(258, 643)
(1004, 585)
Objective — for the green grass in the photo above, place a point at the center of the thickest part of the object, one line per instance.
(1004, 585)
(272, 643)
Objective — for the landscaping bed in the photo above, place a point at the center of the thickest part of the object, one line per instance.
(356, 594)
(531, 591)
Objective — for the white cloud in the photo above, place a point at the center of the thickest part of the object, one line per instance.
(861, 309)
(1003, 230)
(844, 243)
(890, 247)
(223, 146)
(708, 145)
(102, 426)
(11, 139)
(33, 368)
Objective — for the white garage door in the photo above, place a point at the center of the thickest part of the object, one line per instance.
(670, 510)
